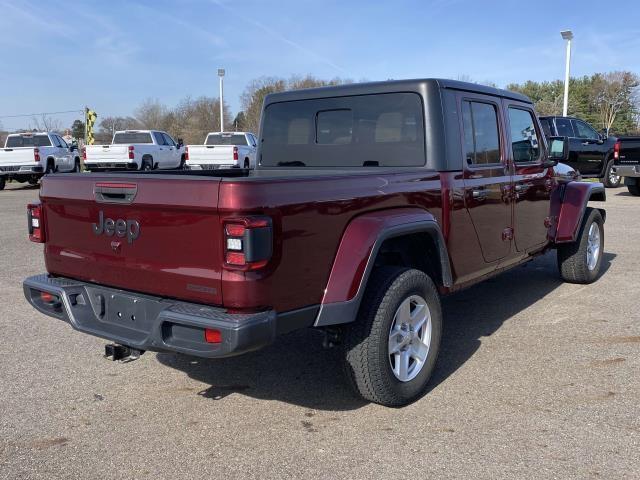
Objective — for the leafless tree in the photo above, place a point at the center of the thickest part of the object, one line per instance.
(45, 124)
(613, 92)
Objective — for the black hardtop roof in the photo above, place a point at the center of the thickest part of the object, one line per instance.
(391, 86)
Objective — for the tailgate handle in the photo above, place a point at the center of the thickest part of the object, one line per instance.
(115, 192)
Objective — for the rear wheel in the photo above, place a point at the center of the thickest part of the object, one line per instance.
(51, 167)
(147, 164)
(580, 261)
(3, 182)
(391, 349)
(76, 166)
(611, 180)
(246, 163)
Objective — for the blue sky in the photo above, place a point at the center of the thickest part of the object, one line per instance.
(61, 55)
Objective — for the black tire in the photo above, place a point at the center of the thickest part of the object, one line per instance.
(366, 341)
(572, 257)
(247, 165)
(3, 182)
(611, 180)
(76, 166)
(634, 189)
(51, 167)
(33, 181)
(147, 164)
(183, 163)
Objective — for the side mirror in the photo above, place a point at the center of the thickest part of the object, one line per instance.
(558, 151)
(73, 148)
(604, 134)
(180, 142)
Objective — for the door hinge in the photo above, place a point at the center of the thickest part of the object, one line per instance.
(507, 234)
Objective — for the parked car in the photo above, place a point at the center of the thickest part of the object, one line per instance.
(223, 150)
(28, 156)
(590, 152)
(627, 162)
(368, 203)
(136, 150)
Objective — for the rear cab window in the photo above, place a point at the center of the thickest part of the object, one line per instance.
(18, 141)
(226, 139)
(385, 130)
(127, 138)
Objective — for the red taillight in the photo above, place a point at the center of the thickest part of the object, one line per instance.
(212, 336)
(616, 151)
(235, 153)
(248, 242)
(35, 223)
(84, 153)
(47, 297)
(186, 153)
(131, 152)
(36, 154)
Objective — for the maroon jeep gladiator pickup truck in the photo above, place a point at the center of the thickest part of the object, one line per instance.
(369, 202)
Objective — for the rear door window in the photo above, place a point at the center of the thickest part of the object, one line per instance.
(384, 130)
(524, 136)
(481, 137)
(132, 138)
(564, 128)
(546, 126)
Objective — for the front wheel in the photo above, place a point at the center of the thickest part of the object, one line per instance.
(580, 261)
(634, 189)
(611, 180)
(391, 349)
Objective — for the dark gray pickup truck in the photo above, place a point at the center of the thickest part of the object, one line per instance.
(626, 155)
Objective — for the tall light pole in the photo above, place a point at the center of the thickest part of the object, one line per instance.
(221, 75)
(568, 36)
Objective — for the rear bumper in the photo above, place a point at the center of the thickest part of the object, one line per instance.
(149, 323)
(627, 170)
(213, 166)
(98, 166)
(17, 170)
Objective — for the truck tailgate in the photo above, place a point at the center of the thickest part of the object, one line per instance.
(107, 153)
(16, 156)
(170, 242)
(214, 154)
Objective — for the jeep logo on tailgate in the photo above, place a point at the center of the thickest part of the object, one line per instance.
(121, 228)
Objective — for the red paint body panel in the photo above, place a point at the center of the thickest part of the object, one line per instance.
(177, 254)
(571, 208)
(356, 247)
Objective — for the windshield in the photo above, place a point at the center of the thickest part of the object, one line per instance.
(131, 137)
(225, 139)
(28, 141)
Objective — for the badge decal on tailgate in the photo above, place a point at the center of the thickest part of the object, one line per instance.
(119, 227)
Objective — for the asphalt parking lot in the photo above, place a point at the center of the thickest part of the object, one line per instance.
(536, 378)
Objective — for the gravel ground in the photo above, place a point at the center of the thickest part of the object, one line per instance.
(536, 378)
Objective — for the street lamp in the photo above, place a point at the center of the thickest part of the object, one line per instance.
(568, 36)
(221, 75)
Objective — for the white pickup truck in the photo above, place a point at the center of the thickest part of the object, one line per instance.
(28, 156)
(136, 150)
(223, 150)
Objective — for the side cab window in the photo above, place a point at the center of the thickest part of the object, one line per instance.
(168, 140)
(56, 141)
(159, 138)
(584, 130)
(564, 128)
(525, 139)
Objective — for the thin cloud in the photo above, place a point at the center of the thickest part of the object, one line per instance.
(279, 37)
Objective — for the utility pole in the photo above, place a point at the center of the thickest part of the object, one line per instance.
(221, 75)
(568, 36)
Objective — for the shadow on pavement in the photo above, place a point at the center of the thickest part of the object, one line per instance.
(297, 370)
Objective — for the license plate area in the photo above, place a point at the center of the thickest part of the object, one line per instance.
(125, 311)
